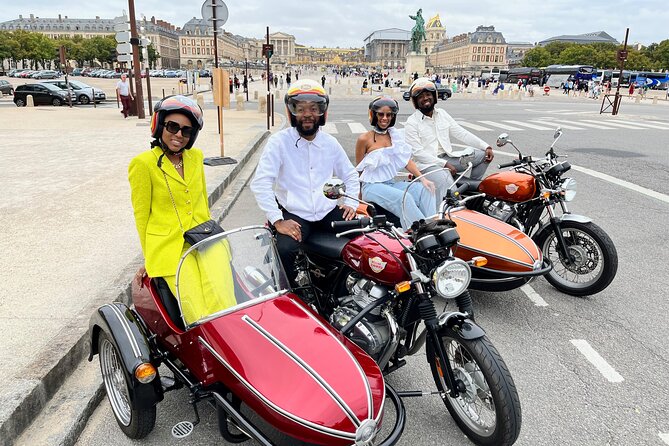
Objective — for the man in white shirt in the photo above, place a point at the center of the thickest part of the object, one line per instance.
(294, 166)
(124, 95)
(428, 132)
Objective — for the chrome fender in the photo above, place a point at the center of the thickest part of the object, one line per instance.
(461, 325)
(575, 217)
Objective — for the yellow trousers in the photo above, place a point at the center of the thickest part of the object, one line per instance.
(205, 282)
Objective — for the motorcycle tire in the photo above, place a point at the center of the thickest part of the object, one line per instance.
(490, 390)
(596, 258)
(135, 422)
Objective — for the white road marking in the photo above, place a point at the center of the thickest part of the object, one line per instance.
(585, 124)
(473, 126)
(533, 296)
(501, 126)
(613, 123)
(356, 127)
(555, 125)
(532, 126)
(664, 437)
(658, 122)
(645, 124)
(595, 359)
(626, 184)
(330, 128)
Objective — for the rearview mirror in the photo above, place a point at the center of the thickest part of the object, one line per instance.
(334, 189)
(558, 133)
(502, 139)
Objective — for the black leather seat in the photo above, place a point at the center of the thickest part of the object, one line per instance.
(169, 301)
(325, 244)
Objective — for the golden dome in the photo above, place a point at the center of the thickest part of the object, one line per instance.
(434, 22)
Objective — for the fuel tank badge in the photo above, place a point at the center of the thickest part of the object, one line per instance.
(377, 264)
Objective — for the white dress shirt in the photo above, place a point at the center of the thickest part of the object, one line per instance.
(381, 165)
(431, 136)
(293, 171)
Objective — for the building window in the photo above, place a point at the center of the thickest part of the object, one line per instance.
(183, 50)
(473, 58)
(487, 58)
(496, 58)
(202, 42)
(183, 41)
(501, 58)
(192, 42)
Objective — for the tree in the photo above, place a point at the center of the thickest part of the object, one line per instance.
(538, 57)
(577, 55)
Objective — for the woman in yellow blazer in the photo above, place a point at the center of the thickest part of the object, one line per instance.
(169, 196)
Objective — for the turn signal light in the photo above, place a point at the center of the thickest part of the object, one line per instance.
(479, 261)
(145, 373)
(403, 286)
(546, 195)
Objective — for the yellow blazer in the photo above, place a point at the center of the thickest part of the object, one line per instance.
(155, 216)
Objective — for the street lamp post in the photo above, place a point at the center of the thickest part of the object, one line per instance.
(137, 71)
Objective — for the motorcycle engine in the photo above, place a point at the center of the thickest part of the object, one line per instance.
(501, 211)
(371, 333)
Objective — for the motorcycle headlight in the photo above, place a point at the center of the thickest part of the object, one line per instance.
(451, 278)
(569, 188)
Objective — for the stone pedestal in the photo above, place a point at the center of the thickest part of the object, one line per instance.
(415, 64)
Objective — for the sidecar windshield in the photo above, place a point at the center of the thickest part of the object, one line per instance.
(228, 271)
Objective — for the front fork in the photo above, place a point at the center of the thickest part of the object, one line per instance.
(555, 224)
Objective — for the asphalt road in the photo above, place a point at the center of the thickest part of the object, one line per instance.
(566, 400)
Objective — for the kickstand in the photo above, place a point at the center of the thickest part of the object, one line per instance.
(197, 413)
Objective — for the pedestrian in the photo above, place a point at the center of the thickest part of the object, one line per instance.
(323, 81)
(281, 82)
(297, 75)
(123, 94)
(245, 84)
(380, 153)
(231, 85)
(296, 162)
(631, 89)
(276, 81)
(288, 80)
(236, 81)
(168, 192)
(429, 131)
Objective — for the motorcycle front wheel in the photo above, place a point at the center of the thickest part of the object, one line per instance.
(487, 408)
(595, 258)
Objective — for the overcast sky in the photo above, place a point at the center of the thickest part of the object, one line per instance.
(346, 23)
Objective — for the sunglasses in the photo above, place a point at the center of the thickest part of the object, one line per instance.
(384, 115)
(173, 128)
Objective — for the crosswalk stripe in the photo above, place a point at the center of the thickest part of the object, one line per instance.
(645, 124)
(532, 126)
(557, 124)
(585, 124)
(330, 128)
(474, 126)
(501, 126)
(614, 124)
(356, 127)
(658, 122)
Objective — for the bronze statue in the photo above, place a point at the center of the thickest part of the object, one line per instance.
(418, 31)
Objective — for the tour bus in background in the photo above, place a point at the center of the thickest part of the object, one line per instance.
(624, 80)
(603, 76)
(494, 74)
(557, 75)
(655, 81)
(532, 75)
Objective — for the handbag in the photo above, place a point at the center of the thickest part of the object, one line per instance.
(200, 232)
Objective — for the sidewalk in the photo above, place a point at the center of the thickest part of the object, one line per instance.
(70, 242)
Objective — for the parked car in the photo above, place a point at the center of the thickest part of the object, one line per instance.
(82, 92)
(46, 74)
(6, 87)
(43, 94)
(77, 71)
(443, 93)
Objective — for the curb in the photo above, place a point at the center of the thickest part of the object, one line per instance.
(52, 366)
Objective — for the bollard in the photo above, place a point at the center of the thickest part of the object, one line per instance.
(240, 101)
(262, 104)
(255, 95)
(637, 100)
(277, 94)
(654, 100)
(30, 102)
(200, 100)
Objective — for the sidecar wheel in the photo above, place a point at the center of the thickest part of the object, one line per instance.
(596, 258)
(134, 422)
(488, 411)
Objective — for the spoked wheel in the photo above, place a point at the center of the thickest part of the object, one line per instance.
(134, 422)
(595, 258)
(487, 408)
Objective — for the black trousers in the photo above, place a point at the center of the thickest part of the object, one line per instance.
(289, 247)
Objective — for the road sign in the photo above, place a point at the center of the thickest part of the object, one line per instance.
(122, 27)
(267, 49)
(221, 12)
(622, 55)
(143, 41)
(124, 48)
(124, 58)
(123, 36)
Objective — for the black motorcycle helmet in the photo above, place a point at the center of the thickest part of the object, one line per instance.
(420, 85)
(375, 106)
(176, 104)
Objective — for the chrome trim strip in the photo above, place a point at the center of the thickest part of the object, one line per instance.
(306, 367)
(497, 256)
(126, 327)
(322, 429)
(496, 232)
(370, 401)
(234, 308)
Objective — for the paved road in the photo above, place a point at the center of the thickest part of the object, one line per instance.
(566, 399)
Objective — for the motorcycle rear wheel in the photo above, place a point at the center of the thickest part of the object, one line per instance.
(596, 258)
(488, 412)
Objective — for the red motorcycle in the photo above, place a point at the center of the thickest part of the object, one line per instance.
(266, 350)
(381, 289)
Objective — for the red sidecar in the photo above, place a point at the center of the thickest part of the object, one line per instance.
(262, 347)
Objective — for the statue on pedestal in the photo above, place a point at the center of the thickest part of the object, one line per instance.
(418, 31)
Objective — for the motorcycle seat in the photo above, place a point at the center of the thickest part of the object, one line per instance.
(325, 244)
(169, 301)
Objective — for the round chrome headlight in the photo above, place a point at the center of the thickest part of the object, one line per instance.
(569, 188)
(451, 278)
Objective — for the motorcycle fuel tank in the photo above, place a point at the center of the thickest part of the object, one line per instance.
(510, 186)
(368, 257)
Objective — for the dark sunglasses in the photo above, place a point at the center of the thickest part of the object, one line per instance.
(173, 128)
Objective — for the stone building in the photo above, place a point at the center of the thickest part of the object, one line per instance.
(328, 56)
(387, 47)
(515, 53)
(435, 33)
(196, 45)
(284, 48)
(471, 53)
(593, 37)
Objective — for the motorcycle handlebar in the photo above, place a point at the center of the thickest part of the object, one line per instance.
(509, 164)
(351, 224)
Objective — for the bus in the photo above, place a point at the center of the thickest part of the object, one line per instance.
(655, 81)
(624, 80)
(531, 74)
(557, 75)
(603, 76)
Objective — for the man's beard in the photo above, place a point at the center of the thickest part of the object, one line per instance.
(304, 132)
(427, 108)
